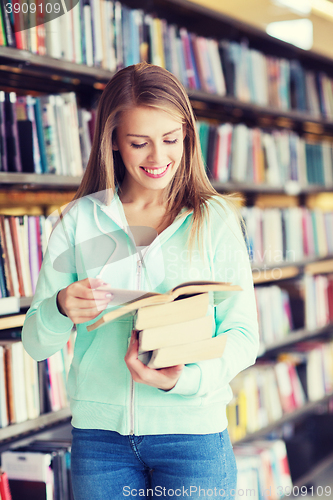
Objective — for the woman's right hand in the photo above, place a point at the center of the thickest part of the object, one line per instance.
(82, 301)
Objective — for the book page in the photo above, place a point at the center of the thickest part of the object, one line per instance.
(122, 296)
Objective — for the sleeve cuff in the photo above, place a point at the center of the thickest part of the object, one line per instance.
(52, 318)
(189, 382)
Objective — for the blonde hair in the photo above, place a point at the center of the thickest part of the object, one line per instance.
(149, 85)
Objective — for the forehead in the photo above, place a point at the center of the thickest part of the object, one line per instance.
(147, 120)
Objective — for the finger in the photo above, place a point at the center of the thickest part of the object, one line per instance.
(133, 347)
(93, 282)
(172, 371)
(81, 291)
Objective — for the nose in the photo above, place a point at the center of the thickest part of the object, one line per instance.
(156, 154)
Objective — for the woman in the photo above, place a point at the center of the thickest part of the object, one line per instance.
(139, 431)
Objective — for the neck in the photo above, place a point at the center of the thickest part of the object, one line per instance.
(141, 197)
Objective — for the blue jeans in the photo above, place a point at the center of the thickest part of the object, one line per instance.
(109, 466)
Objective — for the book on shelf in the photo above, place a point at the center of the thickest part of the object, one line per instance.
(238, 153)
(263, 394)
(27, 388)
(22, 241)
(43, 134)
(5, 493)
(132, 300)
(111, 35)
(290, 234)
(51, 478)
(30, 474)
(263, 466)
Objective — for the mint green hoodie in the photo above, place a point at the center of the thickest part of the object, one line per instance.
(94, 240)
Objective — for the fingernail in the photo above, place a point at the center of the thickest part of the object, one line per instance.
(108, 295)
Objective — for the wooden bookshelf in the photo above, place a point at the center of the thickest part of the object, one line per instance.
(32, 426)
(307, 409)
(38, 181)
(293, 337)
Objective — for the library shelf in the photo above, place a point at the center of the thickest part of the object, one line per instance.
(293, 337)
(290, 188)
(202, 101)
(274, 274)
(294, 415)
(35, 425)
(49, 181)
(38, 181)
(284, 270)
(325, 266)
(24, 70)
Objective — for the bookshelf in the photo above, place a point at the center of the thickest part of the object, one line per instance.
(308, 408)
(24, 72)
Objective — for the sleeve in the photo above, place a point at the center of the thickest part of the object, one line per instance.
(236, 316)
(45, 330)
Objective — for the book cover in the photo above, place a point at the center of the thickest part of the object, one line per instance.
(5, 492)
(3, 390)
(11, 258)
(174, 312)
(11, 137)
(8, 26)
(175, 334)
(15, 238)
(40, 134)
(188, 353)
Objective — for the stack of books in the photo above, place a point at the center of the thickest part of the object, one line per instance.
(172, 328)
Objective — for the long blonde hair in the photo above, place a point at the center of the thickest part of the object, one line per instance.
(149, 85)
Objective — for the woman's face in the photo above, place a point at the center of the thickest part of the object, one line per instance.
(150, 142)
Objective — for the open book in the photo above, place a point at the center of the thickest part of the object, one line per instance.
(132, 300)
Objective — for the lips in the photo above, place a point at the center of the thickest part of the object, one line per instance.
(156, 172)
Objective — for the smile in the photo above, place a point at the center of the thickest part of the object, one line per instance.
(155, 172)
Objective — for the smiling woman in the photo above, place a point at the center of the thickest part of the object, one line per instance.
(150, 142)
(137, 429)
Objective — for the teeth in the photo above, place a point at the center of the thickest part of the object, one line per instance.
(155, 171)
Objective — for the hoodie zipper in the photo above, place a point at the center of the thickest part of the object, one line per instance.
(138, 282)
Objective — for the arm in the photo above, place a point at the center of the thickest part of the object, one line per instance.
(45, 329)
(236, 316)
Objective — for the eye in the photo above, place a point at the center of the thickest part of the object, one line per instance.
(172, 142)
(138, 146)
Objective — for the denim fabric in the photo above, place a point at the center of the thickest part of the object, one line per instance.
(109, 466)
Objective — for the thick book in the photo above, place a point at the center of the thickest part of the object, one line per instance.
(177, 311)
(132, 300)
(174, 335)
(188, 353)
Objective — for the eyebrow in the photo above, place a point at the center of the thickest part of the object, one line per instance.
(147, 136)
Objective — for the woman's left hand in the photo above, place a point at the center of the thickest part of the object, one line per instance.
(163, 378)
